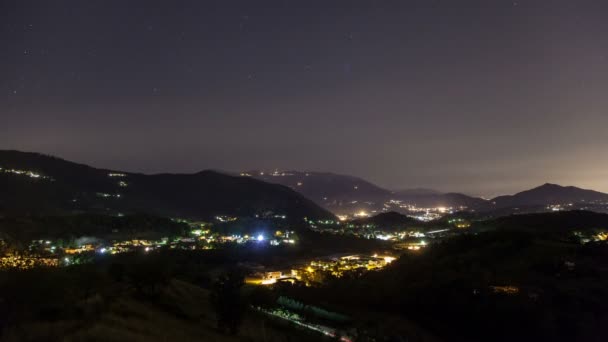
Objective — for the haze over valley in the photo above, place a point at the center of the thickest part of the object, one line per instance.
(297, 171)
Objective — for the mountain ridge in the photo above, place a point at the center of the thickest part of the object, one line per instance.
(344, 193)
(34, 182)
(334, 192)
(550, 193)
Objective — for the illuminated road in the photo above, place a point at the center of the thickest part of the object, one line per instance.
(327, 331)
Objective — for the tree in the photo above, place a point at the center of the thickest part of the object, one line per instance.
(262, 296)
(228, 302)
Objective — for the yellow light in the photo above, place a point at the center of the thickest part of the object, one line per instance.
(362, 213)
(268, 281)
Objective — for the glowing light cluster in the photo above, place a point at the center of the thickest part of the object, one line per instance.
(26, 173)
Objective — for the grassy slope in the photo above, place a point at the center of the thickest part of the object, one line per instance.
(181, 313)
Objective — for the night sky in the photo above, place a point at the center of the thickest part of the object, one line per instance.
(483, 97)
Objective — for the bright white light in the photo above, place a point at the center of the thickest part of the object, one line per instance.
(103, 250)
(260, 237)
(438, 231)
(389, 259)
(384, 237)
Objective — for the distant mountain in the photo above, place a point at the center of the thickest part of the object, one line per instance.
(550, 194)
(417, 192)
(348, 194)
(34, 183)
(337, 193)
(324, 186)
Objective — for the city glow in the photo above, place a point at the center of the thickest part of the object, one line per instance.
(362, 213)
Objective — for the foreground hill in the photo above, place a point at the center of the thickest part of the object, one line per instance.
(436, 199)
(391, 220)
(135, 298)
(550, 194)
(33, 183)
(559, 222)
(514, 286)
(69, 227)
